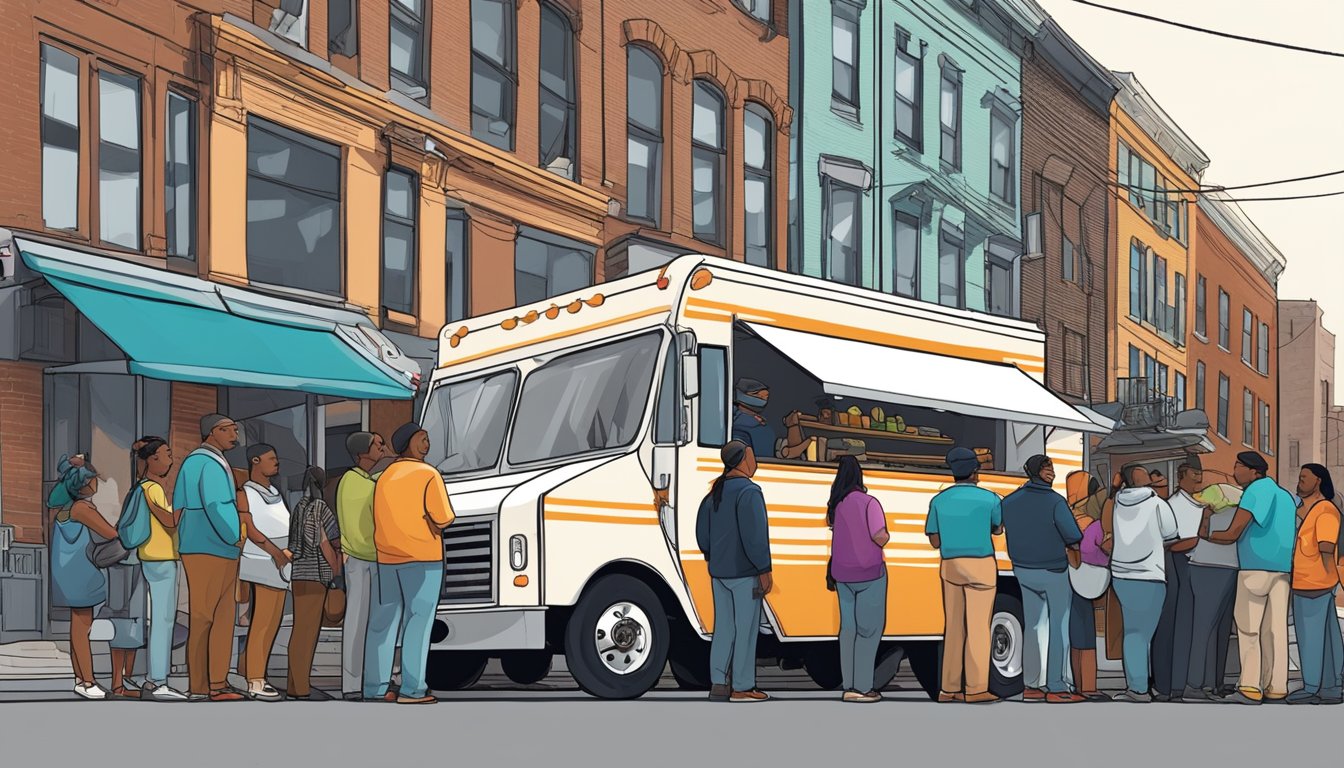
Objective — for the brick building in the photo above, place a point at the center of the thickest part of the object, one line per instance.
(306, 191)
(1311, 422)
(1234, 359)
(1066, 99)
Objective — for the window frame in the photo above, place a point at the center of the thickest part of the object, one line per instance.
(1224, 404)
(753, 9)
(1224, 321)
(916, 106)
(1201, 399)
(1010, 126)
(350, 46)
(1262, 349)
(412, 273)
(169, 175)
(849, 107)
(1247, 418)
(719, 154)
(724, 404)
(1265, 433)
(462, 282)
(764, 175)
(959, 243)
(83, 118)
(1247, 336)
(953, 75)
(634, 131)
(570, 100)
(403, 81)
(1179, 383)
(552, 241)
(911, 220)
(830, 187)
(508, 72)
(994, 261)
(1201, 308)
(100, 69)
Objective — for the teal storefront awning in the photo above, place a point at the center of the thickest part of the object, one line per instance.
(182, 328)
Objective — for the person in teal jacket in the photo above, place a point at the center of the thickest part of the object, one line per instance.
(210, 541)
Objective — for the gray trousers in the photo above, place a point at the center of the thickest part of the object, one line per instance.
(863, 615)
(737, 622)
(1171, 644)
(360, 583)
(1214, 591)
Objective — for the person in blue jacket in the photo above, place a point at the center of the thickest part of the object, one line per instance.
(732, 531)
(751, 427)
(210, 541)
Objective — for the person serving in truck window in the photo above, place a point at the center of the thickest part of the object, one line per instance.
(750, 426)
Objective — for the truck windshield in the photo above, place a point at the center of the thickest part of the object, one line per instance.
(467, 420)
(587, 401)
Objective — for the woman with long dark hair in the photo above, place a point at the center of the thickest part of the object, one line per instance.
(859, 570)
(314, 541)
(1315, 581)
(75, 582)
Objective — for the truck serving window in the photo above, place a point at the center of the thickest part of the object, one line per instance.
(588, 401)
(467, 420)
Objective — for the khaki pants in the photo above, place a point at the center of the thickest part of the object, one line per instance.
(268, 608)
(1261, 613)
(211, 582)
(968, 608)
(309, 599)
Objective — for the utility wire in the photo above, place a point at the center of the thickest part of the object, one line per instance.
(1285, 197)
(1207, 31)
(1221, 188)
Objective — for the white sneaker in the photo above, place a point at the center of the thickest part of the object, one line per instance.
(164, 693)
(91, 691)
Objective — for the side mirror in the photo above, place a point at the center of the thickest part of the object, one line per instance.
(690, 376)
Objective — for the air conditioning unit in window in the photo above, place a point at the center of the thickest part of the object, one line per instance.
(1032, 246)
(286, 16)
(562, 166)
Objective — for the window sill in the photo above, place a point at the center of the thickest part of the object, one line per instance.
(401, 319)
(847, 112)
(299, 294)
(1225, 349)
(1202, 338)
(1224, 438)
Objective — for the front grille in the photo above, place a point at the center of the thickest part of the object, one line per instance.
(468, 562)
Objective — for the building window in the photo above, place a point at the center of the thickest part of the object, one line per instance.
(179, 177)
(494, 71)
(290, 21)
(342, 29)
(1247, 418)
(1223, 386)
(759, 9)
(949, 116)
(1264, 428)
(1134, 357)
(951, 270)
(1201, 308)
(907, 254)
(1151, 193)
(1247, 323)
(558, 110)
(399, 245)
(1075, 363)
(1179, 391)
(707, 156)
(909, 96)
(1067, 260)
(844, 232)
(293, 209)
(1224, 321)
(1159, 313)
(644, 135)
(455, 256)
(1199, 387)
(119, 159)
(546, 265)
(1294, 453)
(1178, 320)
(1262, 356)
(999, 284)
(406, 48)
(60, 138)
(758, 188)
(1138, 283)
(845, 58)
(1001, 157)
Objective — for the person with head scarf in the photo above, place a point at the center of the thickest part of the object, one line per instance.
(961, 522)
(410, 512)
(858, 569)
(75, 582)
(1315, 581)
(733, 532)
(314, 541)
(1264, 528)
(1041, 530)
(751, 427)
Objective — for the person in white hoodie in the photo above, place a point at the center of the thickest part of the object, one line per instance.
(1142, 525)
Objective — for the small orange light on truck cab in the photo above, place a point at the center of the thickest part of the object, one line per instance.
(520, 581)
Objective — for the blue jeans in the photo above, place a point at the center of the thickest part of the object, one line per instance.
(1047, 600)
(863, 615)
(161, 575)
(407, 598)
(737, 622)
(1141, 609)
(1319, 645)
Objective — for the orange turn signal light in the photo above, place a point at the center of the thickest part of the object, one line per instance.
(520, 581)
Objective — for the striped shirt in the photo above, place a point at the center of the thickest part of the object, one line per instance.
(312, 520)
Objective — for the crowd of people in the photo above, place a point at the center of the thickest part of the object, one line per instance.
(373, 566)
(1177, 570)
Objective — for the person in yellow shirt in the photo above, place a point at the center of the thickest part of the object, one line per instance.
(158, 563)
(1315, 579)
(410, 512)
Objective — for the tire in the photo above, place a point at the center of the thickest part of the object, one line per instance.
(822, 663)
(926, 660)
(1006, 638)
(689, 661)
(627, 617)
(454, 670)
(527, 667)
(889, 659)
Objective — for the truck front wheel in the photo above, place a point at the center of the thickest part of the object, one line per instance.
(527, 667)
(454, 670)
(617, 639)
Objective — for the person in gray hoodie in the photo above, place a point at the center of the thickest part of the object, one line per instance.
(1143, 524)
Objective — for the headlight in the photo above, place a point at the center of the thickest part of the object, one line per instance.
(518, 552)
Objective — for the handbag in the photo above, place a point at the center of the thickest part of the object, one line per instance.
(333, 609)
(105, 554)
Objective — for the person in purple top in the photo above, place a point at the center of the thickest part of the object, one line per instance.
(859, 571)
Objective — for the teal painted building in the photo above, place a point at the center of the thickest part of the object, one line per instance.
(906, 146)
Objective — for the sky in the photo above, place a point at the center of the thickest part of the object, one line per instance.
(1259, 113)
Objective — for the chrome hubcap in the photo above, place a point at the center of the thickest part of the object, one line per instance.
(622, 638)
(1006, 644)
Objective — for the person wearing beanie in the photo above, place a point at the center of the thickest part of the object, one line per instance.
(751, 427)
(1264, 529)
(733, 533)
(962, 519)
(410, 512)
(210, 541)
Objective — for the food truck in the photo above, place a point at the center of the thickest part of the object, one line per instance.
(578, 436)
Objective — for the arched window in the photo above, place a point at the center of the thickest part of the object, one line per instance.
(644, 135)
(758, 186)
(708, 148)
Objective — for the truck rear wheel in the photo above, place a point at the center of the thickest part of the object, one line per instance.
(822, 662)
(1005, 646)
(689, 661)
(527, 667)
(454, 670)
(617, 639)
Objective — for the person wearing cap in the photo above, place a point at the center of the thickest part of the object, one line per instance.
(410, 512)
(1264, 528)
(1041, 531)
(962, 519)
(210, 542)
(751, 427)
(1171, 644)
(733, 533)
